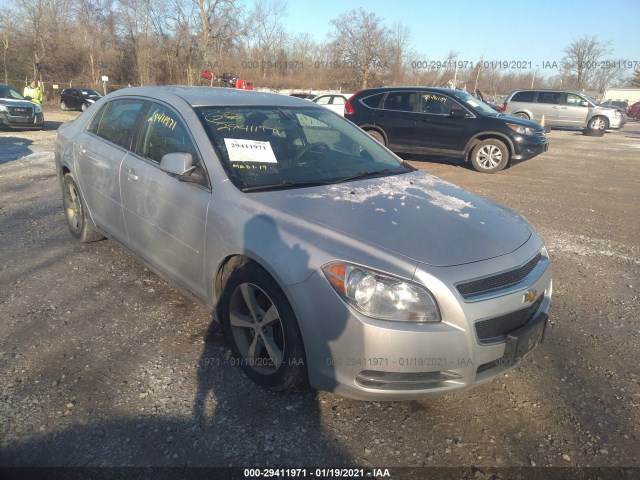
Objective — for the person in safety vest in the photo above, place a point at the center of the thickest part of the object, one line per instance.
(33, 91)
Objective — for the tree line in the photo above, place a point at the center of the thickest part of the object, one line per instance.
(145, 42)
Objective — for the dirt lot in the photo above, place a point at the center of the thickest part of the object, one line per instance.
(103, 363)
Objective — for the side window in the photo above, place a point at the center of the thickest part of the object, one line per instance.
(323, 100)
(436, 104)
(573, 100)
(401, 101)
(550, 97)
(338, 100)
(526, 96)
(162, 132)
(373, 101)
(116, 120)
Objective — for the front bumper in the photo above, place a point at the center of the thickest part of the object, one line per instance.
(367, 359)
(526, 147)
(22, 122)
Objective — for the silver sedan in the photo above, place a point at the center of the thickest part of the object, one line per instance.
(326, 258)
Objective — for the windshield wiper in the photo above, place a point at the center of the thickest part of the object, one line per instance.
(284, 186)
(363, 175)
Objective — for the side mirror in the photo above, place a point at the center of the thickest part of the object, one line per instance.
(459, 113)
(178, 163)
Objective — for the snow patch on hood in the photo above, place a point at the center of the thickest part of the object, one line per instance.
(411, 186)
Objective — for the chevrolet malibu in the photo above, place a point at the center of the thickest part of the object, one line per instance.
(326, 258)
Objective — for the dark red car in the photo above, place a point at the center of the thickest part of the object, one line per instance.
(634, 111)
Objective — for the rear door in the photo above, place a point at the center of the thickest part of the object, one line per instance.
(550, 104)
(166, 216)
(98, 152)
(397, 116)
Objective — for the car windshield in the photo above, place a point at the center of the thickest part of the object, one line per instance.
(472, 101)
(264, 148)
(90, 93)
(8, 92)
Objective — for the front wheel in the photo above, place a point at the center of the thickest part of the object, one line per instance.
(262, 329)
(76, 213)
(84, 107)
(489, 156)
(598, 123)
(63, 106)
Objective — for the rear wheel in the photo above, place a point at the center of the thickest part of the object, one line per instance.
(522, 115)
(63, 106)
(377, 136)
(490, 156)
(75, 212)
(84, 106)
(262, 329)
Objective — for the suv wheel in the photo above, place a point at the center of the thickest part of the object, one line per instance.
(601, 123)
(489, 156)
(377, 136)
(63, 106)
(84, 106)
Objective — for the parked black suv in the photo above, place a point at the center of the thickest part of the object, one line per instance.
(445, 122)
(78, 98)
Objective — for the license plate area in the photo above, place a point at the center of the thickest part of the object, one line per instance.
(522, 341)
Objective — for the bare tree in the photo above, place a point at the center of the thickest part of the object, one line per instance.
(582, 57)
(361, 43)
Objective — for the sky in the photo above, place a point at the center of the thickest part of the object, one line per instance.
(527, 31)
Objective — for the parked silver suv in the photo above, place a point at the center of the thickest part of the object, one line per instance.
(562, 108)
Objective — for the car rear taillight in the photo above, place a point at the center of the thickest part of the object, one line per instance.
(348, 108)
(504, 107)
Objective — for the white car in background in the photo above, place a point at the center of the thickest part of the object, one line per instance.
(333, 101)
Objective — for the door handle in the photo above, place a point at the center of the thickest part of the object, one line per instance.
(131, 175)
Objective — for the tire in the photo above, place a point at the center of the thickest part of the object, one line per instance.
(268, 328)
(490, 156)
(522, 115)
(76, 213)
(63, 106)
(84, 107)
(599, 122)
(377, 136)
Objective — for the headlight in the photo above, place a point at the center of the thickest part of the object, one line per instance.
(38, 108)
(3, 108)
(380, 295)
(520, 129)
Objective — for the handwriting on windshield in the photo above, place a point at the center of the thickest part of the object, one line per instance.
(229, 121)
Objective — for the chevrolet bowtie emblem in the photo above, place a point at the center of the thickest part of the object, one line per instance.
(530, 296)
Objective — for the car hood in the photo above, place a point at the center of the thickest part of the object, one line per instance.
(12, 102)
(523, 122)
(414, 215)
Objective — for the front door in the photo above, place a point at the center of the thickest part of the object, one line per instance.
(166, 216)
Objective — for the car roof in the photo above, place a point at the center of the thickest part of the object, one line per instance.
(546, 90)
(450, 91)
(204, 96)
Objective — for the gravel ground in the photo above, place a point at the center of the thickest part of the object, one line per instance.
(105, 364)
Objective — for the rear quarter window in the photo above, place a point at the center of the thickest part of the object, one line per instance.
(373, 101)
(523, 97)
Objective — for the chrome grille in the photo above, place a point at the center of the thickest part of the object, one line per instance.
(497, 282)
(496, 328)
(20, 111)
